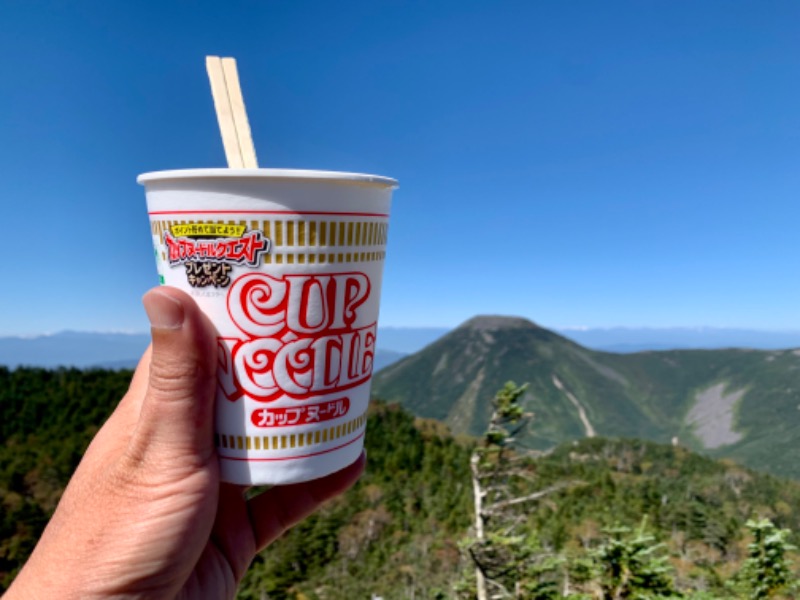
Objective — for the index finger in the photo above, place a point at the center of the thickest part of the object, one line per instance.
(282, 507)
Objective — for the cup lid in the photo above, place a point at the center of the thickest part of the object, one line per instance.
(292, 174)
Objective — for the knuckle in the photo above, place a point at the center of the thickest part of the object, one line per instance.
(174, 377)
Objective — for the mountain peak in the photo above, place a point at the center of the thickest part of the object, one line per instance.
(496, 322)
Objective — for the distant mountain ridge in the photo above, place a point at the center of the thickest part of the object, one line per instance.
(636, 339)
(743, 404)
(122, 350)
(73, 349)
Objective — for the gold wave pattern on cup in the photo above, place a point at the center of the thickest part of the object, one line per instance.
(288, 441)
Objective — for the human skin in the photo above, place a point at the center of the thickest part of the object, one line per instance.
(145, 514)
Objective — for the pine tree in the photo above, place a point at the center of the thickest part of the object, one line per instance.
(509, 560)
(767, 571)
(630, 564)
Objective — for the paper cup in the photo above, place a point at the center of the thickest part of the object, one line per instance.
(288, 266)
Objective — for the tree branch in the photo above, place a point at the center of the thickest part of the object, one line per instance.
(498, 506)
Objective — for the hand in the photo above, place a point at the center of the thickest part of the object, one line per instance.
(145, 514)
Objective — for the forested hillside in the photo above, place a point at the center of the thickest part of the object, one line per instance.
(405, 529)
(47, 419)
(413, 498)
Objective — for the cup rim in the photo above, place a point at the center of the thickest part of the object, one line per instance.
(274, 174)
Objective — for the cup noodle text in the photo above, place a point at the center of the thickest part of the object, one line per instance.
(298, 339)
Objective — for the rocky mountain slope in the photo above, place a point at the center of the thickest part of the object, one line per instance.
(743, 404)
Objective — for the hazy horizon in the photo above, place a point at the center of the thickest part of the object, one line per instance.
(444, 328)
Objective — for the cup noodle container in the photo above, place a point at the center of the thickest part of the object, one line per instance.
(288, 266)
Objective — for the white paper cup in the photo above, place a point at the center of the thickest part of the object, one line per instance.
(288, 266)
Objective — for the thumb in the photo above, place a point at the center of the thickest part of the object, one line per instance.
(177, 414)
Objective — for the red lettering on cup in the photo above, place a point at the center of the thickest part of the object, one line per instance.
(226, 379)
(299, 336)
(246, 250)
(300, 415)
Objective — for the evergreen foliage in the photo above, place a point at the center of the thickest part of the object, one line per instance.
(767, 571)
(394, 534)
(528, 553)
(631, 564)
(508, 557)
(714, 530)
(47, 418)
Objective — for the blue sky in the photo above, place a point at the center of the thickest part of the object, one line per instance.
(576, 163)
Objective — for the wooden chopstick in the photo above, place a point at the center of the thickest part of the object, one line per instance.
(246, 147)
(231, 114)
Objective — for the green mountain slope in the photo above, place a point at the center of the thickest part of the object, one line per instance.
(736, 403)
